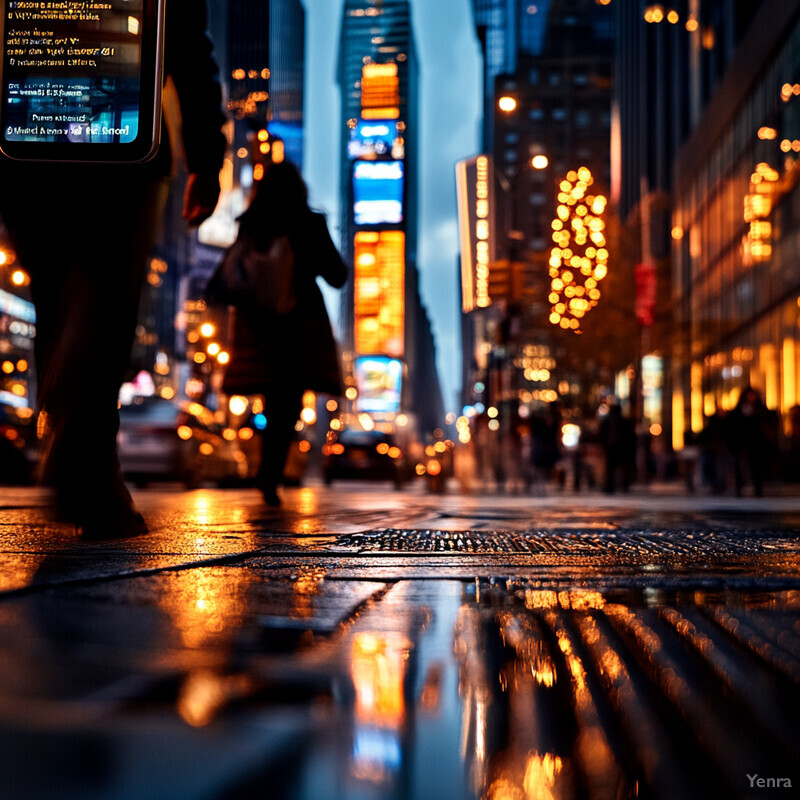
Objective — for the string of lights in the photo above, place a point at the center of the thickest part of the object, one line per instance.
(579, 260)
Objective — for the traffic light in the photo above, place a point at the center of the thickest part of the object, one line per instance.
(523, 281)
(512, 281)
(500, 280)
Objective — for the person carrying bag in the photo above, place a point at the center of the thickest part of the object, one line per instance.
(262, 278)
(283, 344)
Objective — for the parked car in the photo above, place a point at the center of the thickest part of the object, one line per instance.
(160, 440)
(364, 455)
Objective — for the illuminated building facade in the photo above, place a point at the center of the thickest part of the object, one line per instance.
(562, 89)
(734, 233)
(262, 66)
(493, 20)
(670, 61)
(548, 71)
(383, 319)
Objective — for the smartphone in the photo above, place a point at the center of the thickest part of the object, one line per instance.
(80, 80)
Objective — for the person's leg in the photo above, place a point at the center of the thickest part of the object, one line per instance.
(610, 476)
(738, 472)
(86, 262)
(282, 410)
(757, 465)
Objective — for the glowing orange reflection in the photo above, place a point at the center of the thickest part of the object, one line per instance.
(206, 604)
(19, 570)
(304, 591)
(378, 665)
(541, 774)
(204, 693)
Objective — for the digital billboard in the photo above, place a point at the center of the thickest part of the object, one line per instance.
(380, 91)
(379, 382)
(372, 138)
(379, 292)
(378, 192)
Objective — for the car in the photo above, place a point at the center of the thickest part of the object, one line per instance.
(364, 455)
(160, 440)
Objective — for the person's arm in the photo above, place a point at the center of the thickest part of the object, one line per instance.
(317, 250)
(190, 62)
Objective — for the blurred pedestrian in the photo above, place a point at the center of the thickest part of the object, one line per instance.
(545, 430)
(750, 442)
(792, 469)
(283, 344)
(84, 232)
(512, 449)
(618, 438)
(714, 453)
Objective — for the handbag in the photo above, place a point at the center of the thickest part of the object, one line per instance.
(260, 279)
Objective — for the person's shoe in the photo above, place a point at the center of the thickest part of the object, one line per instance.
(271, 497)
(120, 523)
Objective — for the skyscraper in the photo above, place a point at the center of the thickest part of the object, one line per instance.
(384, 322)
(263, 71)
(734, 233)
(286, 63)
(547, 122)
(670, 65)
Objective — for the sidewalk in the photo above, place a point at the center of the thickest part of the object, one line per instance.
(362, 643)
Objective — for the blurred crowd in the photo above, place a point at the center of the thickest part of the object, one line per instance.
(736, 453)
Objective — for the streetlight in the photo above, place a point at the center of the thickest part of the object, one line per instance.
(20, 278)
(507, 104)
(540, 162)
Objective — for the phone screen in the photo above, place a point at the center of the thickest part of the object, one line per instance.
(81, 79)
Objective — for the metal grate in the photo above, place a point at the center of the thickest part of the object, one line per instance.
(681, 700)
(608, 544)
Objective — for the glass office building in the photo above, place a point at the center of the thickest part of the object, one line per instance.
(382, 312)
(736, 234)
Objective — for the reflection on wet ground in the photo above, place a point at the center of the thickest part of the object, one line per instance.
(218, 681)
(320, 662)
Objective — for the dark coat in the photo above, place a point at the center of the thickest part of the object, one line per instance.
(276, 351)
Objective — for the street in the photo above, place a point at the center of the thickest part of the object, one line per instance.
(364, 643)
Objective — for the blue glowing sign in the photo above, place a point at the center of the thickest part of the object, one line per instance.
(378, 192)
(376, 137)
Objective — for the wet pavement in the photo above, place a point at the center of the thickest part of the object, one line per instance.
(362, 643)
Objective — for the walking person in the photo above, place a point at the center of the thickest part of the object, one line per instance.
(283, 344)
(618, 438)
(84, 232)
(545, 432)
(749, 440)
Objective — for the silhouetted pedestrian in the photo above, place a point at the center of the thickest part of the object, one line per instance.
(283, 344)
(545, 431)
(714, 455)
(618, 438)
(749, 440)
(84, 232)
(792, 470)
